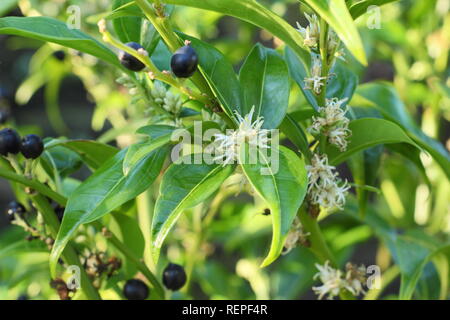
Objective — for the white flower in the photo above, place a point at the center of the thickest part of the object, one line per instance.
(310, 34)
(248, 131)
(296, 236)
(331, 279)
(323, 188)
(316, 81)
(333, 123)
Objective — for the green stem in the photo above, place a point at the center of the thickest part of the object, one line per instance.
(324, 58)
(35, 185)
(318, 244)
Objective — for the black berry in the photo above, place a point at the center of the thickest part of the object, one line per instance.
(184, 62)
(135, 289)
(4, 115)
(32, 146)
(22, 297)
(9, 142)
(130, 62)
(14, 208)
(59, 55)
(174, 277)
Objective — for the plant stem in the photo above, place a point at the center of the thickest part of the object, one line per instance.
(324, 58)
(318, 244)
(69, 254)
(35, 185)
(135, 260)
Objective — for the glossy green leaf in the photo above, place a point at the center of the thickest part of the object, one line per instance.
(253, 12)
(336, 14)
(383, 97)
(281, 181)
(366, 133)
(296, 134)
(159, 135)
(128, 29)
(298, 71)
(52, 30)
(183, 186)
(359, 8)
(264, 79)
(61, 159)
(343, 83)
(220, 75)
(103, 192)
(93, 153)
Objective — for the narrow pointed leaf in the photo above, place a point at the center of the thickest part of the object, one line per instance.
(282, 185)
(264, 79)
(183, 186)
(104, 191)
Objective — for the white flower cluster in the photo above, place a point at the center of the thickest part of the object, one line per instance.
(333, 123)
(311, 34)
(295, 236)
(323, 188)
(334, 281)
(316, 81)
(248, 131)
(169, 101)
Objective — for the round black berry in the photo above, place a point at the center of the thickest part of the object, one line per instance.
(130, 62)
(184, 62)
(32, 146)
(22, 297)
(14, 208)
(174, 277)
(59, 55)
(4, 115)
(9, 142)
(135, 289)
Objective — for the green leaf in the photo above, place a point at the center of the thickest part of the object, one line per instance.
(412, 256)
(343, 83)
(366, 133)
(383, 97)
(128, 29)
(358, 9)
(127, 230)
(296, 134)
(220, 75)
(183, 186)
(52, 30)
(7, 5)
(298, 71)
(93, 153)
(283, 189)
(264, 78)
(103, 192)
(336, 14)
(253, 12)
(61, 159)
(159, 136)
